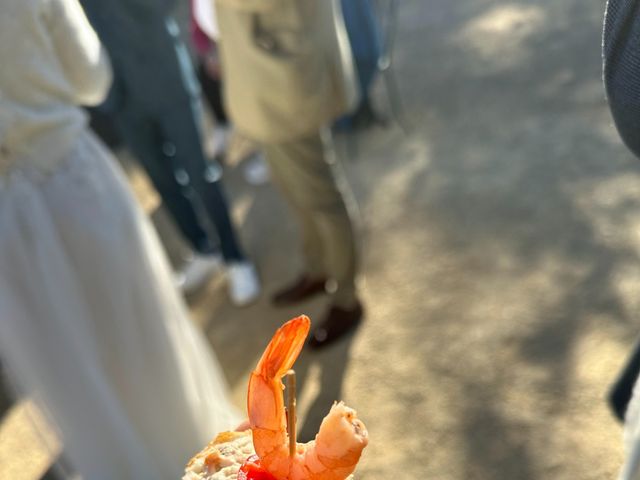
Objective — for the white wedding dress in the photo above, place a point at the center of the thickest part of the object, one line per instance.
(90, 324)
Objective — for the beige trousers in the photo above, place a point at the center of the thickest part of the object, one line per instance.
(306, 171)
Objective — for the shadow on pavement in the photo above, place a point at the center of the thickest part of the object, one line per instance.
(332, 363)
(507, 214)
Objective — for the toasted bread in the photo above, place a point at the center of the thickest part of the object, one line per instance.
(222, 458)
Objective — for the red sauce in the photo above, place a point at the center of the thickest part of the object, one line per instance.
(251, 470)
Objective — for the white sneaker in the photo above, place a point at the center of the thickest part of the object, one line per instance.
(244, 286)
(197, 271)
(221, 139)
(216, 141)
(256, 171)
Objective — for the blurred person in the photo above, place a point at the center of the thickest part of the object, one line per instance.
(91, 326)
(621, 60)
(255, 170)
(288, 74)
(621, 65)
(208, 70)
(365, 38)
(154, 104)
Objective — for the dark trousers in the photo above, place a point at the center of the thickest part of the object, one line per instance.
(212, 90)
(169, 148)
(622, 390)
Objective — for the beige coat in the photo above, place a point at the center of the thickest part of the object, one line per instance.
(287, 66)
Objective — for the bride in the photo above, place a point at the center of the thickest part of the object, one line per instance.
(90, 324)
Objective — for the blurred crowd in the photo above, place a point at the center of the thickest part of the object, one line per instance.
(93, 325)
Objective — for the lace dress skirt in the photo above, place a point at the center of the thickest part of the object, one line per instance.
(92, 327)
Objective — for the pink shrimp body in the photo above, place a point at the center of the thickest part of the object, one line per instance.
(334, 453)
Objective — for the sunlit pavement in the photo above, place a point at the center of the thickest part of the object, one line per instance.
(501, 255)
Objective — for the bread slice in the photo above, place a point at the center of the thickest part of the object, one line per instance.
(222, 458)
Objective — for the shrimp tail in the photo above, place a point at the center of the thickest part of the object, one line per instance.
(265, 404)
(284, 348)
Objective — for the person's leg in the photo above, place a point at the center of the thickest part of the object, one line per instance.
(212, 90)
(143, 137)
(216, 205)
(201, 186)
(200, 182)
(181, 129)
(313, 279)
(199, 179)
(310, 184)
(314, 265)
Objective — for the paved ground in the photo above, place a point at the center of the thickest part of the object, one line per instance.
(501, 259)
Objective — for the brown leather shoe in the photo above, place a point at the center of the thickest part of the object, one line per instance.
(303, 288)
(337, 323)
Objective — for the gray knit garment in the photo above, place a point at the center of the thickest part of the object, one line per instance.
(621, 55)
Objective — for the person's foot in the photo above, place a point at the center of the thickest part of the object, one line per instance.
(303, 288)
(244, 286)
(216, 141)
(198, 269)
(338, 322)
(256, 171)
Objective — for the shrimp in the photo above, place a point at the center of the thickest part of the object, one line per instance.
(334, 453)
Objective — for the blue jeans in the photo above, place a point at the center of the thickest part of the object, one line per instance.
(168, 147)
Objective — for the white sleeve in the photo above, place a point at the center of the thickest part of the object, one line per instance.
(84, 60)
